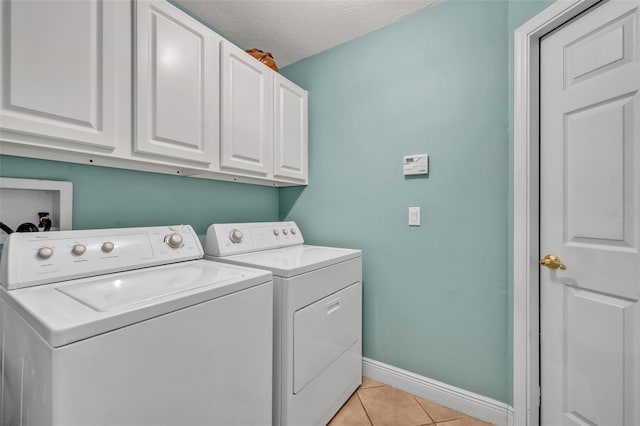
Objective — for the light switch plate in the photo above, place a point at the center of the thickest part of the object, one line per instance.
(414, 216)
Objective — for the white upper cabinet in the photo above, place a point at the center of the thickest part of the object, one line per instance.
(247, 114)
(290, 143)
(61, 61)
(70, 69)
(177, 85)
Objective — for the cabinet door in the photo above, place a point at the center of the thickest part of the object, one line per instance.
(177, 94)
(247, 113)
(290, 144)
(61, 61)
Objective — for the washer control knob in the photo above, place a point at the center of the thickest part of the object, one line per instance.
(107, 247)
(284, 231)
(78, 249)
(293, 231)
(235, 236)
(276, 232)
(45, 252)
(173, 240)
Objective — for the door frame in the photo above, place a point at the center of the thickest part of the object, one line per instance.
(526, 204)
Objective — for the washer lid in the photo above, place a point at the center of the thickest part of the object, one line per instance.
(110, 293)
(66, 312)
(291, 261)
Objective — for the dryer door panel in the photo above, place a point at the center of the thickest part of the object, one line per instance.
(323, 331)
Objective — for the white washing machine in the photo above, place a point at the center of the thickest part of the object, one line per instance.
(317, 315)
(131, 327)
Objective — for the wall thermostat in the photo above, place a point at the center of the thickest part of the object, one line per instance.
(416, 164)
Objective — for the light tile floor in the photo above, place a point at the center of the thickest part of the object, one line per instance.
(376, 404)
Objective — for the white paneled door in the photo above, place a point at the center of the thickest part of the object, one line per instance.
(590, 218)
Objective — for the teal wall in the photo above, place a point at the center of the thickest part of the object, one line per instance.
(435, 297)
(104, 197)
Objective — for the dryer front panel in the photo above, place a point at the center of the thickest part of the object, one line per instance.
(323, 331)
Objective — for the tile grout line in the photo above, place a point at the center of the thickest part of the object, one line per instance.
(433, 421)
(371, 386)
(364, 407)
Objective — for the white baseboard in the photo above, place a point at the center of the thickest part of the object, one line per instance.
(481, 407)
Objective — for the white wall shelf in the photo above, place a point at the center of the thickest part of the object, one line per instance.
(22, 199)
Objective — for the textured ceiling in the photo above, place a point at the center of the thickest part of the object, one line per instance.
(296, 29)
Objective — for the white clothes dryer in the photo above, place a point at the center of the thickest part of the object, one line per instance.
(131, 327)
(317, 315)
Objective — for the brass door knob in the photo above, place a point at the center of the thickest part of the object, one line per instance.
(552, 261)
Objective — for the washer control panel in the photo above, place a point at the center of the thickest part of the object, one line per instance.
(35, 258)
(224, 239)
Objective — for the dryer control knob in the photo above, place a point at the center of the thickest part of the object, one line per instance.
(235, 236)
(293, 231)
(284, 231)
(173, 240)
(276, 232)
(45, 252)
(78, 249)
(108, 247)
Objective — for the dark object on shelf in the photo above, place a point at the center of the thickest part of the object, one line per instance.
(45, 221)
(27, 227)
(264, 57)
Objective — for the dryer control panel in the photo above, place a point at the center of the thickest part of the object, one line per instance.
(224, 239)
(35, 258)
